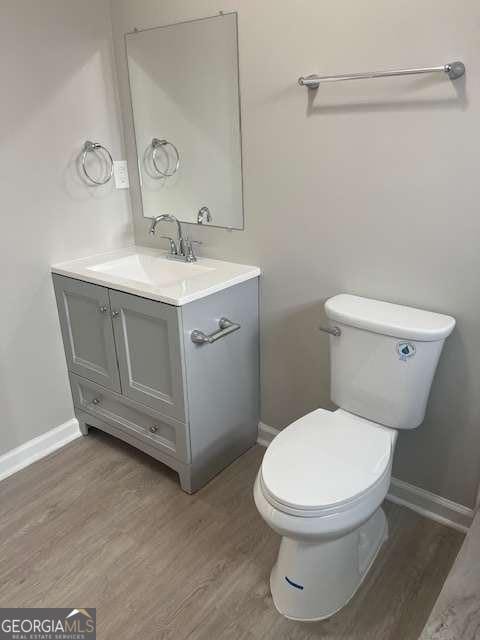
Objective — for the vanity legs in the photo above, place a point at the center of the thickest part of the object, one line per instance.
(192, 476)
(185, 477)
(83, 427)
(191, 479)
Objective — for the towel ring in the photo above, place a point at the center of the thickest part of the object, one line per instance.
(90, 147)
(156, 144)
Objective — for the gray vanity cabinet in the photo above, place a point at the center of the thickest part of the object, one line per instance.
(147, 336)
(223, 377)
(136, 373)
(85, 320)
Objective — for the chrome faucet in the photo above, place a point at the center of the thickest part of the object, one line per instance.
(167, 217)
(204, 215)
(183, 248)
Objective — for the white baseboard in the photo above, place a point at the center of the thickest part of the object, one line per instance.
(430, 505)
(39, 447)
(423, 502)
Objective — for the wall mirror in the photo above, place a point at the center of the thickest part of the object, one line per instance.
(184, 88)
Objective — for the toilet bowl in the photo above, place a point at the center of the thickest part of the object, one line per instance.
(320, 487)
(324, 477)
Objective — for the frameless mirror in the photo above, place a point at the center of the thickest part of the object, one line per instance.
(186, 111)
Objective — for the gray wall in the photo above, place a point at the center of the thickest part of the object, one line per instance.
(370, 188)
(56, 66)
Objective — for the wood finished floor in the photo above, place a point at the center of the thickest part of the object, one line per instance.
(99, 524)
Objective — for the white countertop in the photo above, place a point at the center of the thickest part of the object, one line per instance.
(149, 273)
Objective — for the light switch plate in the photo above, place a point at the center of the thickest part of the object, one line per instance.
(120, 172)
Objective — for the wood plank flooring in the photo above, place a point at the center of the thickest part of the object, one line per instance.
(456, 613)
(99, 524)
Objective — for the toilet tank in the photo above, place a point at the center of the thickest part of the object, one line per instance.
(383, 362)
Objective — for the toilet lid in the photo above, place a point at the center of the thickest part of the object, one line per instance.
(326, 458)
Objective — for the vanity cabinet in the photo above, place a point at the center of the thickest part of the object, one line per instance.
(136, 373)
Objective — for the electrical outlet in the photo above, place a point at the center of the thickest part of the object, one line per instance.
(120, 171)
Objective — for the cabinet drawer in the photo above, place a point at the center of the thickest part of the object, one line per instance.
(150, 426)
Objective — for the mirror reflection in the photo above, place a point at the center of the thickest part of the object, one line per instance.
(185, 100)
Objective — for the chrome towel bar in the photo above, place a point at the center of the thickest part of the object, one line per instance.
(454, 70)
(226, 327)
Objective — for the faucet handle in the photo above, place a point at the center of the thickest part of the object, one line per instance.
(189, 252)
(173, 245)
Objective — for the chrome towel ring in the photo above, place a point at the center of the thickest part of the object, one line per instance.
(162, 144)
(90, 147)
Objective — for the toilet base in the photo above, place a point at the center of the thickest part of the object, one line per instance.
(312, 581)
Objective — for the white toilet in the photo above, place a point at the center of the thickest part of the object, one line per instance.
(324, 477)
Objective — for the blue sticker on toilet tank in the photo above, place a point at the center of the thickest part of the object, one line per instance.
(405, 350)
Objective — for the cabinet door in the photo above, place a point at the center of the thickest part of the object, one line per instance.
(86, 323)
(149, 353)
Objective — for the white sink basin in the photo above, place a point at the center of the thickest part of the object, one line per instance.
(150, 269)
(151, 274)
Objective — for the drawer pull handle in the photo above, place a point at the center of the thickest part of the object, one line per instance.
(103, 309)
(96, 401)
(225, 327)
(154, 429)
(115, 314)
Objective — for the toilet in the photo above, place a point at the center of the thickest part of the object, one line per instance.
(324, 477)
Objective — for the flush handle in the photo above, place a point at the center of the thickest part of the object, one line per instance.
(333, 331)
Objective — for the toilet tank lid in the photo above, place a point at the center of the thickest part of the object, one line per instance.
(389, 319)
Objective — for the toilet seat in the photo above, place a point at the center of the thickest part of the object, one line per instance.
(325, 463)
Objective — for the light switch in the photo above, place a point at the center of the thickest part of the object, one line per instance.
(120, 171)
